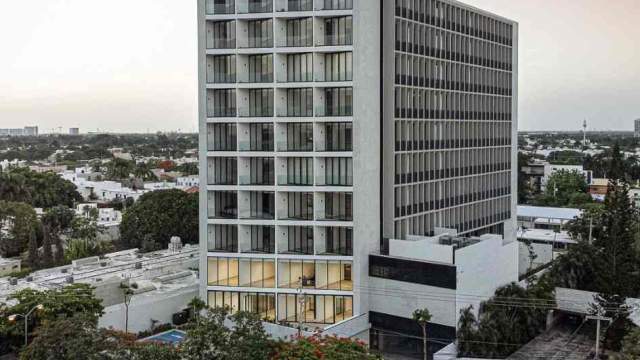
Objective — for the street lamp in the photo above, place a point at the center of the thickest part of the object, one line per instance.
(14, 317)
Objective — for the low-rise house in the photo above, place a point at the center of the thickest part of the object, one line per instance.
(188, 181)
(163, 283)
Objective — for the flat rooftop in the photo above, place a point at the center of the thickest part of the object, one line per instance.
(548, 212)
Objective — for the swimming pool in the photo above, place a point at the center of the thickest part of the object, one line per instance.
(172, 337)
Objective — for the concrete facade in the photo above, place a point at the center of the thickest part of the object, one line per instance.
(330, 126)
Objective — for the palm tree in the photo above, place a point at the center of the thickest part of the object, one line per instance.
(118, 169)
(143, 172)
(422, 317)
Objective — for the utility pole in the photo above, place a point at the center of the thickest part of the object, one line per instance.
(598, 318)
(301, 300)
(591, 230)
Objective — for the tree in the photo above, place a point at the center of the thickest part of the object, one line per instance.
(43, 190)
(68, 338)
(504, 321)
(188, 168)
(119, 169)
(210, 339)
(422, 317)
(57, 221)
(565, 189)
(143, 172)
(248, 338)
(630, 346)
(66, 302)
(20, 223)
(127, 295)
(197, 305)
(157, 216)
(318, 347)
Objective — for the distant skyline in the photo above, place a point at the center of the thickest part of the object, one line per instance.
(130, 66)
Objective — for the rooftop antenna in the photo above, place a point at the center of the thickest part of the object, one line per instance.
(584, 133)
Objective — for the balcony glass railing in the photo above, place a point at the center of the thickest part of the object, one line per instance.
(337, 4)
(216, 7)
(254, 6)
(344, 110)
(252, 180)
(344, 180)
(295, 5)
(284, 146)
(250, 146)
(296, 180)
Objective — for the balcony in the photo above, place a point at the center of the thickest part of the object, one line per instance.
(336, 4)
(337, 207)
(335, 241)
(220, 7)
(337, 102)
(221, 137)
(295, 137)
(255, 6)
(222, 205)
(221, 34)
(296, 206)
(222, 238)
(257, 205)
(257, 239)
(294, 5)
(296, 171)
(257, 171)
(222, 171)
(297, 240)
(337, 137)
(221, 103)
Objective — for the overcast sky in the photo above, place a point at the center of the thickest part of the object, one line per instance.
(130, 65)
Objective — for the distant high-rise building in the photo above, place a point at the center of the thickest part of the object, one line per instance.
(636, 131)
(329, 126)
(26, 131)
(74, 131)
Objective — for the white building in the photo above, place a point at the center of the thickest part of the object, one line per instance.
(550, 169)
(26, 131)
(308, 163)
(188, 181)
(101, 191)
(542, 217)
(164, 282)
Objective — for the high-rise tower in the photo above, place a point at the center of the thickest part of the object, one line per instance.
(327, 126)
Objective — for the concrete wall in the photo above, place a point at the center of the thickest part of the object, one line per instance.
(482, 268)
(544, 254)
(402, 299)
(142, 309)
(366, 143)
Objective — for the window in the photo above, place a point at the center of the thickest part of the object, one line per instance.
(338, 101)
(260, 102)
(300, 32)
(299, 137)
(300, 206)
(262, 205)
(222, 271)
(221, 34)
(339, 241)
(319, 309)
(260, 172)
(338, 137)
(222, 171)
(260, 68)
(299, 171)
(221, 69)
(326, 275)
(260, 137)
(338, 31)
(339, 171)
(300, 239)
(300, 5)
(262, 304)
(337, 4)
(221, 137)
(338, 66)
(300, 102)
(223, 238)
(263, 239)
(300, 67)
(215, 7)
(221, 103)
(223, 204)
(338, 206)
(260, 33)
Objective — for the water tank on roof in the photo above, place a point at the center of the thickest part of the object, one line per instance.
(69, 279)
(175, 244)
(13, 281)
